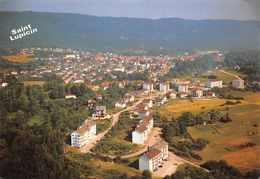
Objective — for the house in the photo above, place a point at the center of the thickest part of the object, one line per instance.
(70, 96)
(196, 92)
(148, 102)
(183, 94)
(106, 84)
(164, 87)
(160, 100)
(3, 84)
(215, 83)
(78, 80)
(129, 98)
(100, 111)
(183, 88)
(212, 94)
(142, 106)
(120, 104)
(148, 86)
(153, 158)
(239, 84)
(142, 130)
(91, 104)
(143, 113)
(171, 95)
(83, 134)
(99, 97)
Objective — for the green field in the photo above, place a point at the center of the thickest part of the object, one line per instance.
(176, 107)
(238, 141)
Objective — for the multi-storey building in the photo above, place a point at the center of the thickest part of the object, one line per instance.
(148, 86)
(164, 87)
(183, 88)
(142, 130)
(239, 84)
(83, 134)
(215, 83)
(154, 157)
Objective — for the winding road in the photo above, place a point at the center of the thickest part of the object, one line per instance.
(168, 168)
(236, 76)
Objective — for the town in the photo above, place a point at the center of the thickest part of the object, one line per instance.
(133, 86)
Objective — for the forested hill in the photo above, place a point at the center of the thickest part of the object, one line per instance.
(129, 35)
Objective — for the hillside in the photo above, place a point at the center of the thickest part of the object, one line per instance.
(128, 35)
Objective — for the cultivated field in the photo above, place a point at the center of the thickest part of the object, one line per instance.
(238, 142)
(176, 107)
(19, 58)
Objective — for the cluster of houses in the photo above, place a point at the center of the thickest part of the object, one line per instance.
(127, 98)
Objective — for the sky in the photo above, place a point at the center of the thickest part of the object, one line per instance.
(154, 9)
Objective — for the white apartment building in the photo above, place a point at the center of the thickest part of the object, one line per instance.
(183, 88)
(239, 84)
(213, 84)
(164, 87)
(83, 134)
(142, 130)
(154, 157)
(148, 86)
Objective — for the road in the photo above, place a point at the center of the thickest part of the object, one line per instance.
(236, 76)
(115, 118)
(169, 167)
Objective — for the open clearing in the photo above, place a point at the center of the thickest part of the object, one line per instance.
(238, 141)
(33, 83)
(176, 107)
(19, 58)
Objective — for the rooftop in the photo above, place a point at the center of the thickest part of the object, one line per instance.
(152, 153)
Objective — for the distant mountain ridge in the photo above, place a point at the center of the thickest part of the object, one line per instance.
(128, 35)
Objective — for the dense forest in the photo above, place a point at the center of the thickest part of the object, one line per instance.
(35, 122)
(191, 68)
(247, 62)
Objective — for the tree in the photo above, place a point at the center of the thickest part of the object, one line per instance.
(147, 174)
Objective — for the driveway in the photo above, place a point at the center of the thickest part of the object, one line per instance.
(169, 167)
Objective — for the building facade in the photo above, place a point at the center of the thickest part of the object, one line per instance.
(213, 84)
(164, 87)
(239, 84)
(83, 134)
(148, 86)
(154, 157)
(142, 130)
(183, 88)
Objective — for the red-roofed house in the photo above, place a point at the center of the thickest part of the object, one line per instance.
(196, 92)
(148, 102)
(171, 95)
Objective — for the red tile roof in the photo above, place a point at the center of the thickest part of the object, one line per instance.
(152, 153)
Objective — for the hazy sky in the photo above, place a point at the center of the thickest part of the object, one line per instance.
(189, 9)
